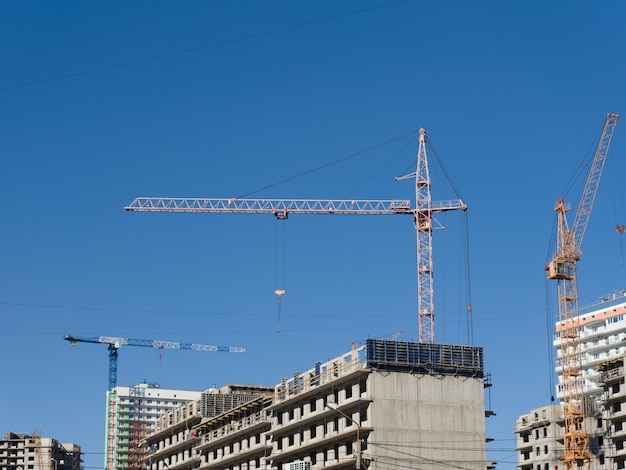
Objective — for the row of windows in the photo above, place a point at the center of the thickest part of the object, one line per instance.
(298, 411)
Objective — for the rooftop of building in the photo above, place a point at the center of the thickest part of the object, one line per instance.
(606, 301)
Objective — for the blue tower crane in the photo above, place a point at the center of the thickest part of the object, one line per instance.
(113, 344)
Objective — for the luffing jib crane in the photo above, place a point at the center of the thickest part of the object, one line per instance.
(114, 343)
(423, 213)
(563, 269)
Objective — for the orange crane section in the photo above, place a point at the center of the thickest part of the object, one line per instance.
(562, 268)
(423, 213)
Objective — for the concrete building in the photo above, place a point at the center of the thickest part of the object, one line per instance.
(613, 412)
(135, 409)
(539, 436)
(33, 452)
(386, 405)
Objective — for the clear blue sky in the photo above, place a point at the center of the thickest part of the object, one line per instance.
(103, 101)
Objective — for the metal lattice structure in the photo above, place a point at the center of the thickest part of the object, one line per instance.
(563, 268)
(113, 344)
(423, 213)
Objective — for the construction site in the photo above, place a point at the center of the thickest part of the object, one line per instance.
(387, 404)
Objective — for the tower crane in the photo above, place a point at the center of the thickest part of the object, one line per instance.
(423, 213)
(115, 343)
(562, 268)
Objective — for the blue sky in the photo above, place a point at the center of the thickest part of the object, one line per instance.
(105, 101)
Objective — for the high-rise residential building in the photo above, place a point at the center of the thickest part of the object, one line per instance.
(33, 452)
(602, 337)
(387, 405)
(602, 334)
(135, 409)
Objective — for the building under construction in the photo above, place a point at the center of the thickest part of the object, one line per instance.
(20, 451)
(137, 408)
(385, 405)
(540, 433)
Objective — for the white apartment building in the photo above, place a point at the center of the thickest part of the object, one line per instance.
(388, 405)
(130, 413)
(539, 434)
(602, 338)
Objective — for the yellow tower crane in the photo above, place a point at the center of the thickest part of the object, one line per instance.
(562, 267)
(423, 213)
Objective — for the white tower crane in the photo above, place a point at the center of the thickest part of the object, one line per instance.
(423, 213)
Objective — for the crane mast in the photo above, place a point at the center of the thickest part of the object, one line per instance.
(562, 268)
(423, 214)
(113, 344)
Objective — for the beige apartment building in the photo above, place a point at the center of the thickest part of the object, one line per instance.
(20, 451)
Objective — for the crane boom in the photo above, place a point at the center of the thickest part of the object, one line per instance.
(591, 187)
(279, 207)
(423, 213)
(152, 343)
(562, 268)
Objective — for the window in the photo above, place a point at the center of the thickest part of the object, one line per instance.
(599, 425)
(545, 449)
(600, 441)
(348, 392)
(545, 432)
(312, 431)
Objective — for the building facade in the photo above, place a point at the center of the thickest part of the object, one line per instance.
(602, 337)
(539, 436)
(386, 405)
(130, 412)
(33, 452)
(614, 411)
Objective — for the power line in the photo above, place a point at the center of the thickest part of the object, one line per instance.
(196, 49)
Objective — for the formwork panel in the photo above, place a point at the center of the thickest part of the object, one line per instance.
(425, 358)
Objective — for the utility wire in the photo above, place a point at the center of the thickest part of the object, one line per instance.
(198, 48)
(326, 165)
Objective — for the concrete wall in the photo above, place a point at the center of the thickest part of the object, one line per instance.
(426, 421)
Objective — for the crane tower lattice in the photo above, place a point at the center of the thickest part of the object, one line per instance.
(562, 268)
